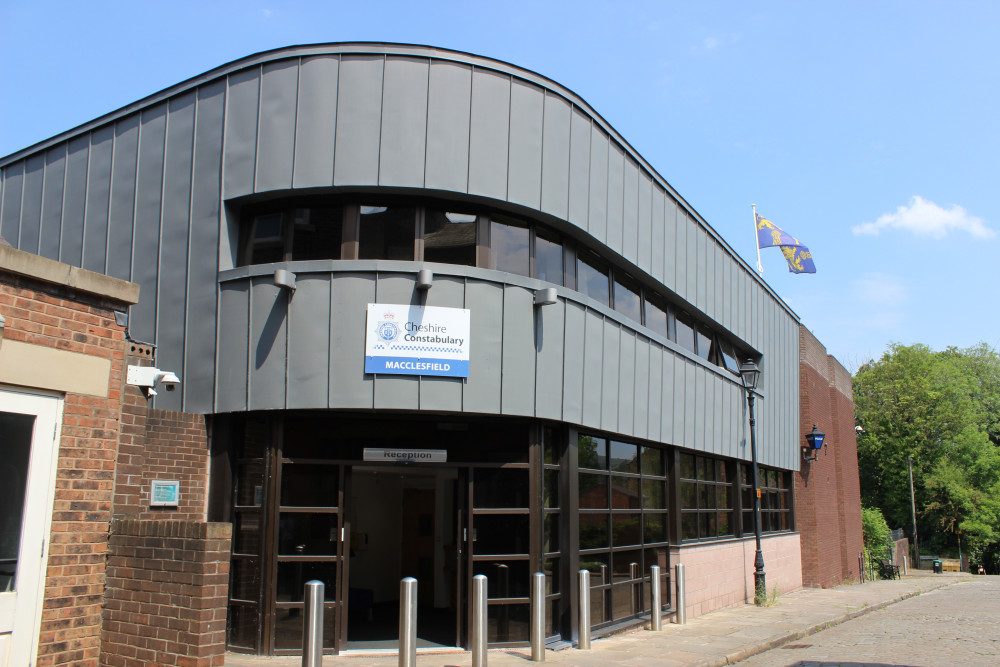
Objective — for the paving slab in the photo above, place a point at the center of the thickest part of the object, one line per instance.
(719, 638)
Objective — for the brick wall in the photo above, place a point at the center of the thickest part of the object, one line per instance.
(827, 491)
(54, 316)
(720, 574)
(166, 595)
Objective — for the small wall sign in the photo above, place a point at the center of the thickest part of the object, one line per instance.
(406, 455)
(164, 493)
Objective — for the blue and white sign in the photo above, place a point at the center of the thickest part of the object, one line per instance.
(417, 340)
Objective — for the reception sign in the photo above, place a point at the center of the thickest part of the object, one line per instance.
(417, 340)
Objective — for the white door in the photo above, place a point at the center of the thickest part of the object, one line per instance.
(29, 432)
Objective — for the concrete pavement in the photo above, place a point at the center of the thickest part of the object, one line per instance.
(719, 638)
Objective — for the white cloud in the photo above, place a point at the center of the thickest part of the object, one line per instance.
(925, 218)
(880, 290)
(711, 43)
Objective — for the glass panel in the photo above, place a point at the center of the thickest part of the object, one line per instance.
(450, 238)
(593, 531)
(748, 523)
(551, 568)
(627, 301)
(687, 466)
(625, 493)
(689, 525)
(656, 319)
(624, 457)
(593, 491)
(725, 528)
(288, 627)
(592, 452)
(507, 622)
(708, 524)
(654, 495)
(247, 532)
(250, 483)
(551, 455)
(244, 580)
(624, 601)
(689, 495)
(15, 436)
(598, 606)
(652, 461)
(548, 257)
(786, 521)
(685, 333)
(550, 533)
(256, 438)
(592, 279)
(551, 488)
(501, 534)
(722, 496)
(625, 530)
(505, 579)
(720, 471)
(704, 344)
(267, 244)
(242, 626)
(307, 534)
(509, 242)
(729, 357)
(386, 233)
(318, 233)
(706, 469)
(706, 496)
(500, 487)
(292, 578)
(654, 527)
(599, 566)
(309, 485)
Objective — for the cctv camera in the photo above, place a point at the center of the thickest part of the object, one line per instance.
(169, 380)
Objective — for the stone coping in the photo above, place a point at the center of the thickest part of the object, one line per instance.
(57, 273)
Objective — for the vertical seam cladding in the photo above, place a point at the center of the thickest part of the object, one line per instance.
(256, 138)
(187, 260)
(295, 135)
(381, 107)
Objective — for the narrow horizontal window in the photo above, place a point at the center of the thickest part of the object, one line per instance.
(450, 238)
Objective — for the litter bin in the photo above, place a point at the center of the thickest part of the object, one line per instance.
(938, 569)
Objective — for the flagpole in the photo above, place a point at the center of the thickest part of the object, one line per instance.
(756, 241)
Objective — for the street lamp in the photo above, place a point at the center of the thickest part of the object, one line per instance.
(750, 374)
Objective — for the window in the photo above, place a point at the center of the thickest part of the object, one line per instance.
(592, 277)
(706, 498)
(450, 238)
(703, 343)
(728, 356)
(627, 301)
(510, 241)
(386, 233)
(775, 499)
(288, 234)
(685, 332)
(657, 317)
(548, 257)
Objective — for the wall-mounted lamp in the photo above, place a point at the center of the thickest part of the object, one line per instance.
(145, 377)
(425, 279)
(285, 279)
(815, 439)
(546, 296)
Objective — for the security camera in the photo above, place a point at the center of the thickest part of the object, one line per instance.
(169, 380)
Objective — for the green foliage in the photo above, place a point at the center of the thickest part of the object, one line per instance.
(942, 409)
(875, 530)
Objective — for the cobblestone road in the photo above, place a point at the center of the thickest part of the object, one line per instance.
(956, 625)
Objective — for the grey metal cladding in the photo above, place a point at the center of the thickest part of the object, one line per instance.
(359, 109)
(630, 213)
(640, 389)
(175, 224)
(579, 169)
(550, 348)
(402, 150)
(52, 203)
(597, 217)
(616, 196)
(440, 393)
(308, 343)
(645, 232)
(122, 205)
(626, 382)
(573, 385)
(350, 387)
(517, 381)
(31, 203)
(95, 241)
(202, 275)
(593, 369)
(276, 125)
(555, 156)
(489, 133)
(657, 233)
(482, 390)
(10, 207)
(610, 376)
(397, 392)
(524, 161)
(231, 368)
(315, 122)
(449, 109)
(268, 344)
(654, 397)
(74, 201)
(239, 158)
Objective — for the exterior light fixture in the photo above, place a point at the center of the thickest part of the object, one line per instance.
(145, 377)
(285, 280)
(750, 373)
(546, 296)
(815, 439)
(425, 279)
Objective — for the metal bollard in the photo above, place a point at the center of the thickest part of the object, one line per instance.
(906, 569)
(681, 615)
(583, 641)
(538, 617)
(312, 624)
(408, 622)
(479, 620)
(656, 606)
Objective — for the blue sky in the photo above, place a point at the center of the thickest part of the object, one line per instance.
(869, 130)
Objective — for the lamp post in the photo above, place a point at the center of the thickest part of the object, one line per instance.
(750, 373)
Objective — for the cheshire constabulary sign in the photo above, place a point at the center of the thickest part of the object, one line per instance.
(417, 340)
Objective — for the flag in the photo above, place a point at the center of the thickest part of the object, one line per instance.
(797, 255)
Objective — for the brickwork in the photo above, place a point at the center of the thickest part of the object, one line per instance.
(165, 602)
(54, 316)
(720, 574)
(827, 491)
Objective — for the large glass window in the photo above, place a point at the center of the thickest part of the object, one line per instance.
(450, 238)
(510, 241)
(685, 332)
(706, 498)
(592, 277)
(386, 233)
(627, 301)
(548, 257)
(775, 499)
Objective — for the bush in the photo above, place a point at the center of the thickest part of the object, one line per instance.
(876, 532)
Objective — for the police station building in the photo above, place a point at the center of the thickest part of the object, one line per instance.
(432, 316)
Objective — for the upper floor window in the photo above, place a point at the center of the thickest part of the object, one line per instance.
(291, 233)
(510, 242)
(386, 232)
(450, 238)
(592, 277)
(627, 301)
(548, 257)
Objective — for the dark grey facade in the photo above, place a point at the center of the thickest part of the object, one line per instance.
(145, 194)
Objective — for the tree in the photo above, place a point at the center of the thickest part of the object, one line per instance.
(943, 410)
